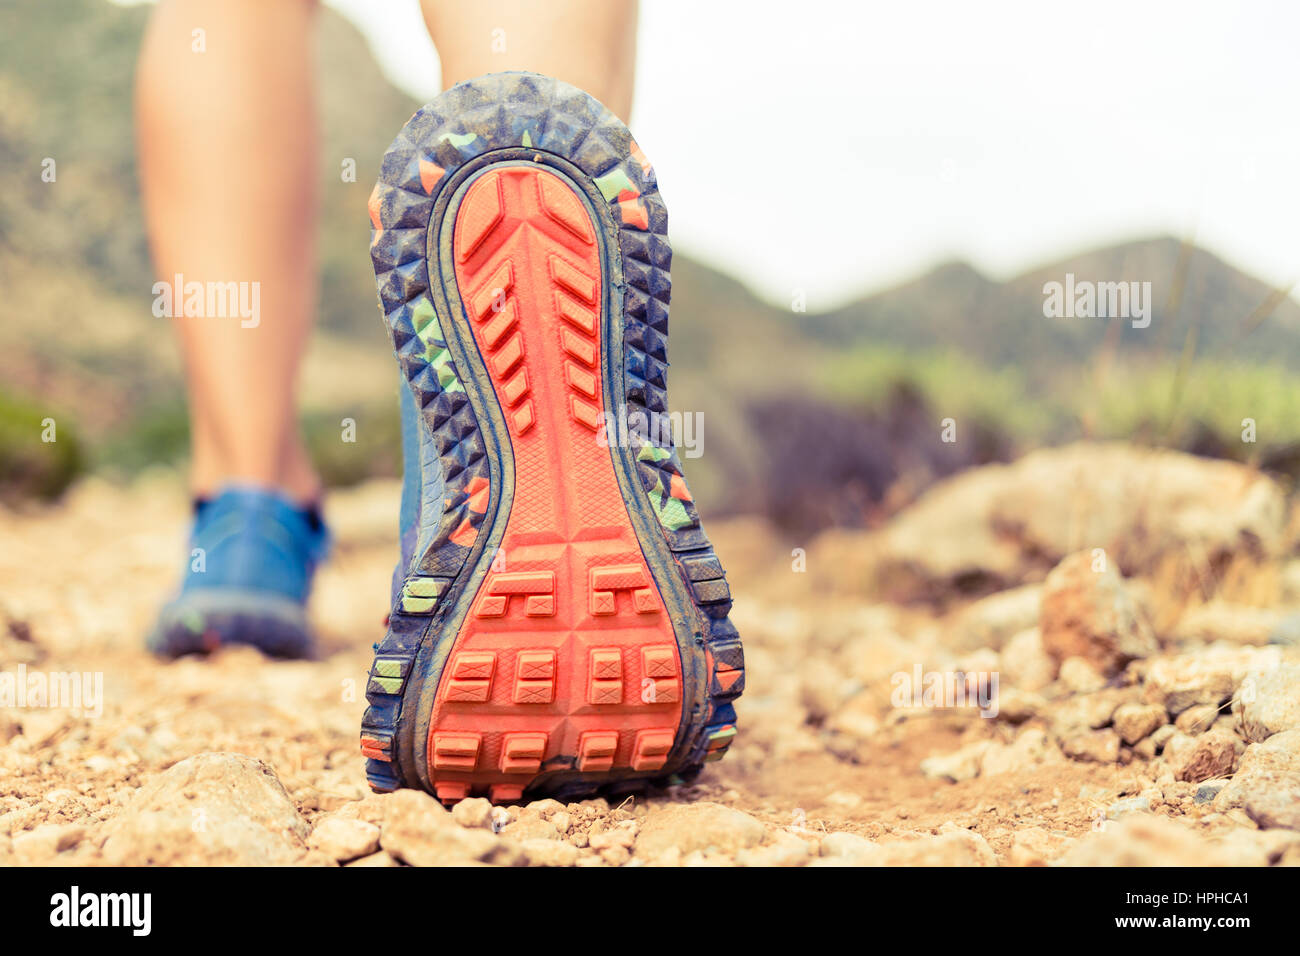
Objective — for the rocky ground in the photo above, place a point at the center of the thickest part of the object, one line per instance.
(1085, 658)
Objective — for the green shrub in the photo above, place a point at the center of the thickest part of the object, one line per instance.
(374, 452)
(40, 452)
(161, 436)
(158, 435)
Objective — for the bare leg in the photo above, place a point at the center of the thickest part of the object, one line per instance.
(227, 141)
(589, 43)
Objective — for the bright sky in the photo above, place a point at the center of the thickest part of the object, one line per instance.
(843, 147)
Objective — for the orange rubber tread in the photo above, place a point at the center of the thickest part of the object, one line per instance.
(567, 657)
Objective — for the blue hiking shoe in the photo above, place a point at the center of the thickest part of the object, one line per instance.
(252, 556)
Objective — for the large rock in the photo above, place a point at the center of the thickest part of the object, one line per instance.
(785, 850)
(1277, 806)
(1213, 754)
(1268, 702)
(1087, 711)
(1147, 839)
(1036, 846)
(214, 809)
(418, 831)
(1000, 525)
(1087, 613)
(823, 688)
(1259, 847)
(994, 620)
(1219, 621)
(986, 758)
(41, 846)
(1016, 706)
(859, 718)
(1098, 746)
(878, 655)
(849, 846)
(1134, 721)
(1030, 748)
(963, 764)
(343, 839)
(1267, 782)
(531, 825)
(1196, 719)
(544, 852)
(948, 540)
(1206, 677)
(691, 827)
(1080, 676)
(1024, 663)
(953, 846)
(474, 813)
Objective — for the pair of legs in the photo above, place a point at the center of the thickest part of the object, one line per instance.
(229, 162)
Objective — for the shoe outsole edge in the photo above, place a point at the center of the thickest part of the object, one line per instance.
(510, 118)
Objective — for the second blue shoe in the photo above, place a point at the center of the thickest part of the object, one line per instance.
(252, 557)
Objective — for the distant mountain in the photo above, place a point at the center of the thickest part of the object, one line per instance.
(955, 307)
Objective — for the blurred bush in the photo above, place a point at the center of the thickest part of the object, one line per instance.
(161, 435)
(30, 465)
(375, 452)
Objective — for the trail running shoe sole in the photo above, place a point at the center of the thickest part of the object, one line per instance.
(563, 629)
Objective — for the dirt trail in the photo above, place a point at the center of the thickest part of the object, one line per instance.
(81, 581)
